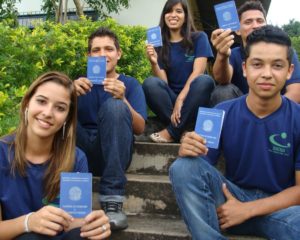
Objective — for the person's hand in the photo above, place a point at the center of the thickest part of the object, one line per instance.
(115, 87)
(176, 114)
(82, 86)
(151, 54)
(222, 40)
(49, 220)
(232, 212)
(192, 145)
(96, 226)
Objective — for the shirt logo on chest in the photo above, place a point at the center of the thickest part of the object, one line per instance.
(279, 144)
(189, 58)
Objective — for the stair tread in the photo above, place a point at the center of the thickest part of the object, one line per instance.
(156, 224)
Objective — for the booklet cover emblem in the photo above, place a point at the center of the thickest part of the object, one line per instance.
(96, 69)
(227, 15)
(76, 193)
(209, 125)
(154, 36)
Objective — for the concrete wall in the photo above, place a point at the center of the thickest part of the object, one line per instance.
(140, 12)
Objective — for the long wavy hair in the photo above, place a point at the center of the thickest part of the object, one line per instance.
(186, 30)
(63, 147)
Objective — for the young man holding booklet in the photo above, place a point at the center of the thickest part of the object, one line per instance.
(227, 69)
(260, 142)
(108, 116)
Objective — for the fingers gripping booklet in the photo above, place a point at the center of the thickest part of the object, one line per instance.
(209, 125)
(76, 193)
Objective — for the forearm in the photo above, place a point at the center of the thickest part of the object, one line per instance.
(138, 122)
(10, 229)
(293, 92)
(288, 197)
(158, 72)
(222, 70)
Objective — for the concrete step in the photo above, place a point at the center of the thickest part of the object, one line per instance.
(153, 158)
(150, 194)
(153, 227)
(159, 227)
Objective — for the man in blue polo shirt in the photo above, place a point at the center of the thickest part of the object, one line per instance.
(108, 116)
(227, 69)
(260, 141)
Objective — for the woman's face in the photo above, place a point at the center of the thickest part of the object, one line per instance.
(175, 18)
(48, 109)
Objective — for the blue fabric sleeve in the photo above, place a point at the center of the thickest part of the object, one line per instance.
(81, 164)
(295, 78)
(202, 46)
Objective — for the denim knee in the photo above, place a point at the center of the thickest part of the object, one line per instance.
(183, 169)
(222, 93)
(114, 109)
(203, 83)
(152, 83)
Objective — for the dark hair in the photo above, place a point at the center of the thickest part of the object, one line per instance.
(270, 34)
(103, 32)
(186, 30)
(251, 5)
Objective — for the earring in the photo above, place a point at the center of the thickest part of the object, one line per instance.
(64, 128)
(26, 116)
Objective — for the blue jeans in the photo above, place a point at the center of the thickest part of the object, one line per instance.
(73, 234)
(109, 147)
(225, 92)
(198, 189)
(161, 100)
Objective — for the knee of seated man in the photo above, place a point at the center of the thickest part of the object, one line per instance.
(113, 107)
(183, 168)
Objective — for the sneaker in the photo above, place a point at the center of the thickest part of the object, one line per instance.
(117, 217)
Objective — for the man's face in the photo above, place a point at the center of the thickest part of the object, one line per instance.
(267, 69)
(250, 20)
(105, 46)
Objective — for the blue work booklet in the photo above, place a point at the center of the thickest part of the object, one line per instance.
(227, 15)
(209, 125)
(154, 36)
(76, 193)
(96, 69)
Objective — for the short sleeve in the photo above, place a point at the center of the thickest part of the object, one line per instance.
(81, 164)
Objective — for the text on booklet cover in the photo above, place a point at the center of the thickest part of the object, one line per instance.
(209, 125)
(227, 15)
(154, 36)
(76, 193)
(96, 69)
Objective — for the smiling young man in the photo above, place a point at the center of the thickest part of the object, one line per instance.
(260, 141)
(227, 69)
(108, 116)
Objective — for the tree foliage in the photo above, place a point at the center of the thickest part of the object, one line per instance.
(8, 10)
(292, 28)
(25, 54)
(102, 8)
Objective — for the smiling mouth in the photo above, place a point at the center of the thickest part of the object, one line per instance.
(44, 124)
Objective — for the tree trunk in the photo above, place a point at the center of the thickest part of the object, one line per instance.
(59, 14)
(65, 12)
(79, 8)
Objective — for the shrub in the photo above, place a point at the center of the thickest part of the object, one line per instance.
(25, 54)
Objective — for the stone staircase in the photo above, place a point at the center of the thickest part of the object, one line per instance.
(150, 204)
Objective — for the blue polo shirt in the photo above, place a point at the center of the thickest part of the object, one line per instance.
(181, 62)
(238, 56)
(260, 153)
(90, 103)
(21, 195)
